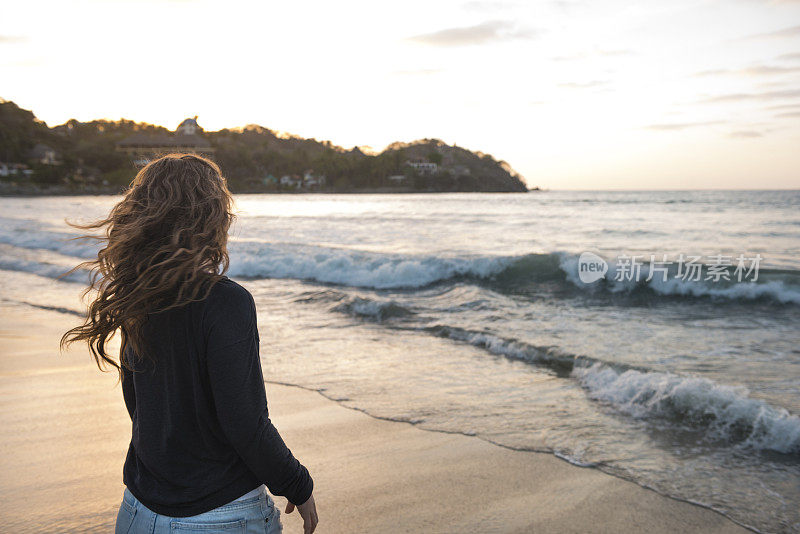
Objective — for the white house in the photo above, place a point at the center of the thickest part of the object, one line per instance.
(291, 181)
(188, 127)
(188, 137)
(311, 180)
(423, 168)
(460, 170)
(44, 154)
(14, 169)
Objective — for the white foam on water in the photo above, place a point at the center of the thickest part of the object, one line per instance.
(380, 270)
(33, 235)
(41, 262)
(777, 290)
(353, 267)
(726, 411)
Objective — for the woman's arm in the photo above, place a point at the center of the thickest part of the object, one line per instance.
(240, 399)
(237, 385)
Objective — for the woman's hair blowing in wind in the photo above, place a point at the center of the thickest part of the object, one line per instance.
(165, 245)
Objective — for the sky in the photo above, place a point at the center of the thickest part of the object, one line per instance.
(573, 94)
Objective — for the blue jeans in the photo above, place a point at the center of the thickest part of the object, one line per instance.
(252, 515)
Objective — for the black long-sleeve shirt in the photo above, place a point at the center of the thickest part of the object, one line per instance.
(201, 434)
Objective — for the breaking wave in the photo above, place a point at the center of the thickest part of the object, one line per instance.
(721, 412)
(358, 268)
(355, 268)
(724, 412)
(404, 271)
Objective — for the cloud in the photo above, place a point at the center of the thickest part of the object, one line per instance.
(788, 115)
(790, 57)
(777, 34)
(767, 70)
(583, 85)
(745, 134)
(741, 97)
(680, 125)
(483, 33)
(796, 105)
(4, 39)
(756, 70)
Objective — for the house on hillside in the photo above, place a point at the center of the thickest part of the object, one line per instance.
(189, 127)
(44, 154)
(291, 181)
(8, 170)
(460, 170)
(311, 180)
(422, 167)
(188, 137)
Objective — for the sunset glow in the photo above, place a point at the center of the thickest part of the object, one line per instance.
(572, 94)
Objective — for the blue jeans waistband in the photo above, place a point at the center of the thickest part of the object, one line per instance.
(248, 499)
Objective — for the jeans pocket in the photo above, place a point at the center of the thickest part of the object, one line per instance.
(124, 518)
(272, 517)
(208, 527)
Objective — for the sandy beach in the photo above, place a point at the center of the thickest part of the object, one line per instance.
(513, 266)
(66, 431)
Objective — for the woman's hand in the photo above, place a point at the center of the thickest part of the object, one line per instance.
(308, 511)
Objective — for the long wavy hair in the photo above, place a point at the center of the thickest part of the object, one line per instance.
(165, 245)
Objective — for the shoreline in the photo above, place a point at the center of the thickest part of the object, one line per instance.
(356, 192)
(67, 431)
(106, 191)
(516, 450)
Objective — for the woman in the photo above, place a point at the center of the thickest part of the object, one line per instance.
(202, 447)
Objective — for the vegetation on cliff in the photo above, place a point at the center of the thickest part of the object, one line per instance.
(84, 155)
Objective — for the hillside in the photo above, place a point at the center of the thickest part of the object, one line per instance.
(85, 156)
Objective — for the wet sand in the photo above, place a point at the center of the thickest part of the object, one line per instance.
(65, 432)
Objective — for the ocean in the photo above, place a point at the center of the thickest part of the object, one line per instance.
(676, 367)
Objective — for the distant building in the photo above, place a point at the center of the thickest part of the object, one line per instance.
(189, 127)
(44, 154)
(423, 168)
(460, 170)
(310, 180)
(14, 169)
(188, 137)
(291, 181)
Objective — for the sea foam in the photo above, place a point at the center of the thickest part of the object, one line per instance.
(354, 267)
(775, 286)
(381, 270)
(726, 412)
